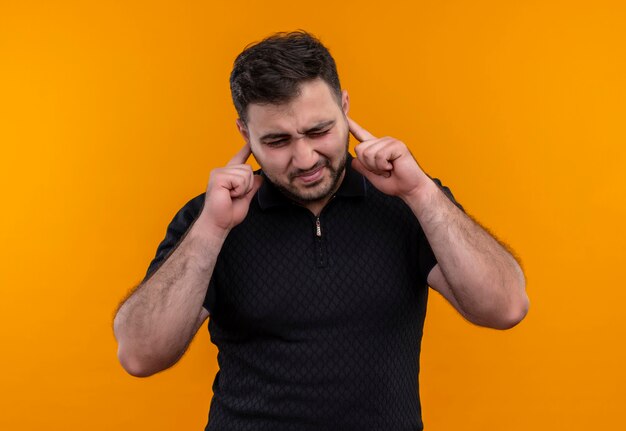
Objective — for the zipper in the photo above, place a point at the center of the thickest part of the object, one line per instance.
(321, 258)
(321, 255)
(318, 226)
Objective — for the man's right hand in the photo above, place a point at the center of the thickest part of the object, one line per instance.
(229, 193)
(156, 323)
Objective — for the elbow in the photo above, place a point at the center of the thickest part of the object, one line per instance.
(518, 306)
(504, 314)
(515, 312)
(499, 318)
(133, 366)
(514, 315)
(138, 366)
(132, 361)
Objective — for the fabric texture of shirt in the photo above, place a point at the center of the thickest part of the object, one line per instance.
(317, 320)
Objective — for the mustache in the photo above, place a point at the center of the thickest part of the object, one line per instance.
(321, 163)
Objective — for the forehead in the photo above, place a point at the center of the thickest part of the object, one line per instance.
(314, 104)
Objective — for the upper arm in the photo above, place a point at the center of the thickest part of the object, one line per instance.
(204, 314)
(437, 281)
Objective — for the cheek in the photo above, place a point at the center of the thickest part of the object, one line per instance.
(337, 143)
(275, 161)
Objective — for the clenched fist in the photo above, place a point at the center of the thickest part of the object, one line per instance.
(229, 193)
(388, 164)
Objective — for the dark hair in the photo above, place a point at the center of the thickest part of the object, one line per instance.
(272, 70)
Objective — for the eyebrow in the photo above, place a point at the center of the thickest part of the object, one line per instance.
(315, 128)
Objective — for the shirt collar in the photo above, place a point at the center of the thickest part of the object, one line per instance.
(352, 185)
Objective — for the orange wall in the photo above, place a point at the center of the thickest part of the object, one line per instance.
(113, 113)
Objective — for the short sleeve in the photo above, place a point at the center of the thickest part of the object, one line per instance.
(174, 234)
(426, 257)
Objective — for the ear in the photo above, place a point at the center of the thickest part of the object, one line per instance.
(345, 102)
(243, 130)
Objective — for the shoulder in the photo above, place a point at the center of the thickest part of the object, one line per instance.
(185, 216)
(196, 203)
(191, 209)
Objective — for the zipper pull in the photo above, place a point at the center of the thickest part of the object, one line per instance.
(318, 228)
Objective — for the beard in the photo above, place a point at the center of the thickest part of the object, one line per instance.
(318, 191)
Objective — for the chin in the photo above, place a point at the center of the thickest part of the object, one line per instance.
(312, 193)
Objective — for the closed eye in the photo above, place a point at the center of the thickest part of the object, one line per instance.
(317, 134)
(282, 141)
(277, 143)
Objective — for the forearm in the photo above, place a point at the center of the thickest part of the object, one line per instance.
(154, 326)
(485, 279)
(475, 273)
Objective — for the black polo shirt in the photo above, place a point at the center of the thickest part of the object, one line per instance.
(318, 320)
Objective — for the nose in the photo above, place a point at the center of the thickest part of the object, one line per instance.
(304, 156)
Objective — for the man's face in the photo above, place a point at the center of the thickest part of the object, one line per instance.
(301, 145)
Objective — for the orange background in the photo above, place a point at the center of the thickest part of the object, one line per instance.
(112, 114)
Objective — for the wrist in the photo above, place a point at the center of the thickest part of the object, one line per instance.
(205, 230)
(421, 196)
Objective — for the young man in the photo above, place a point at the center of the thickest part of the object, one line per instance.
(315, 270)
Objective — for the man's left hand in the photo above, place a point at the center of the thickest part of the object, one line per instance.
(388, 164)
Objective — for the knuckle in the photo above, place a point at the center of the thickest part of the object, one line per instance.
(368, 151)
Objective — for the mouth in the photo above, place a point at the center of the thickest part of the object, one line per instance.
(311, 176)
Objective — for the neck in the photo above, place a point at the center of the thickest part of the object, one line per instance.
(317, 207)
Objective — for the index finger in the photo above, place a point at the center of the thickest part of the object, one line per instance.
(241, 157)
(359, 132)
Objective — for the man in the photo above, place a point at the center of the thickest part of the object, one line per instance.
(315, 270)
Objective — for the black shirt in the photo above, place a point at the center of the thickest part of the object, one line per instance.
(318, 321)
